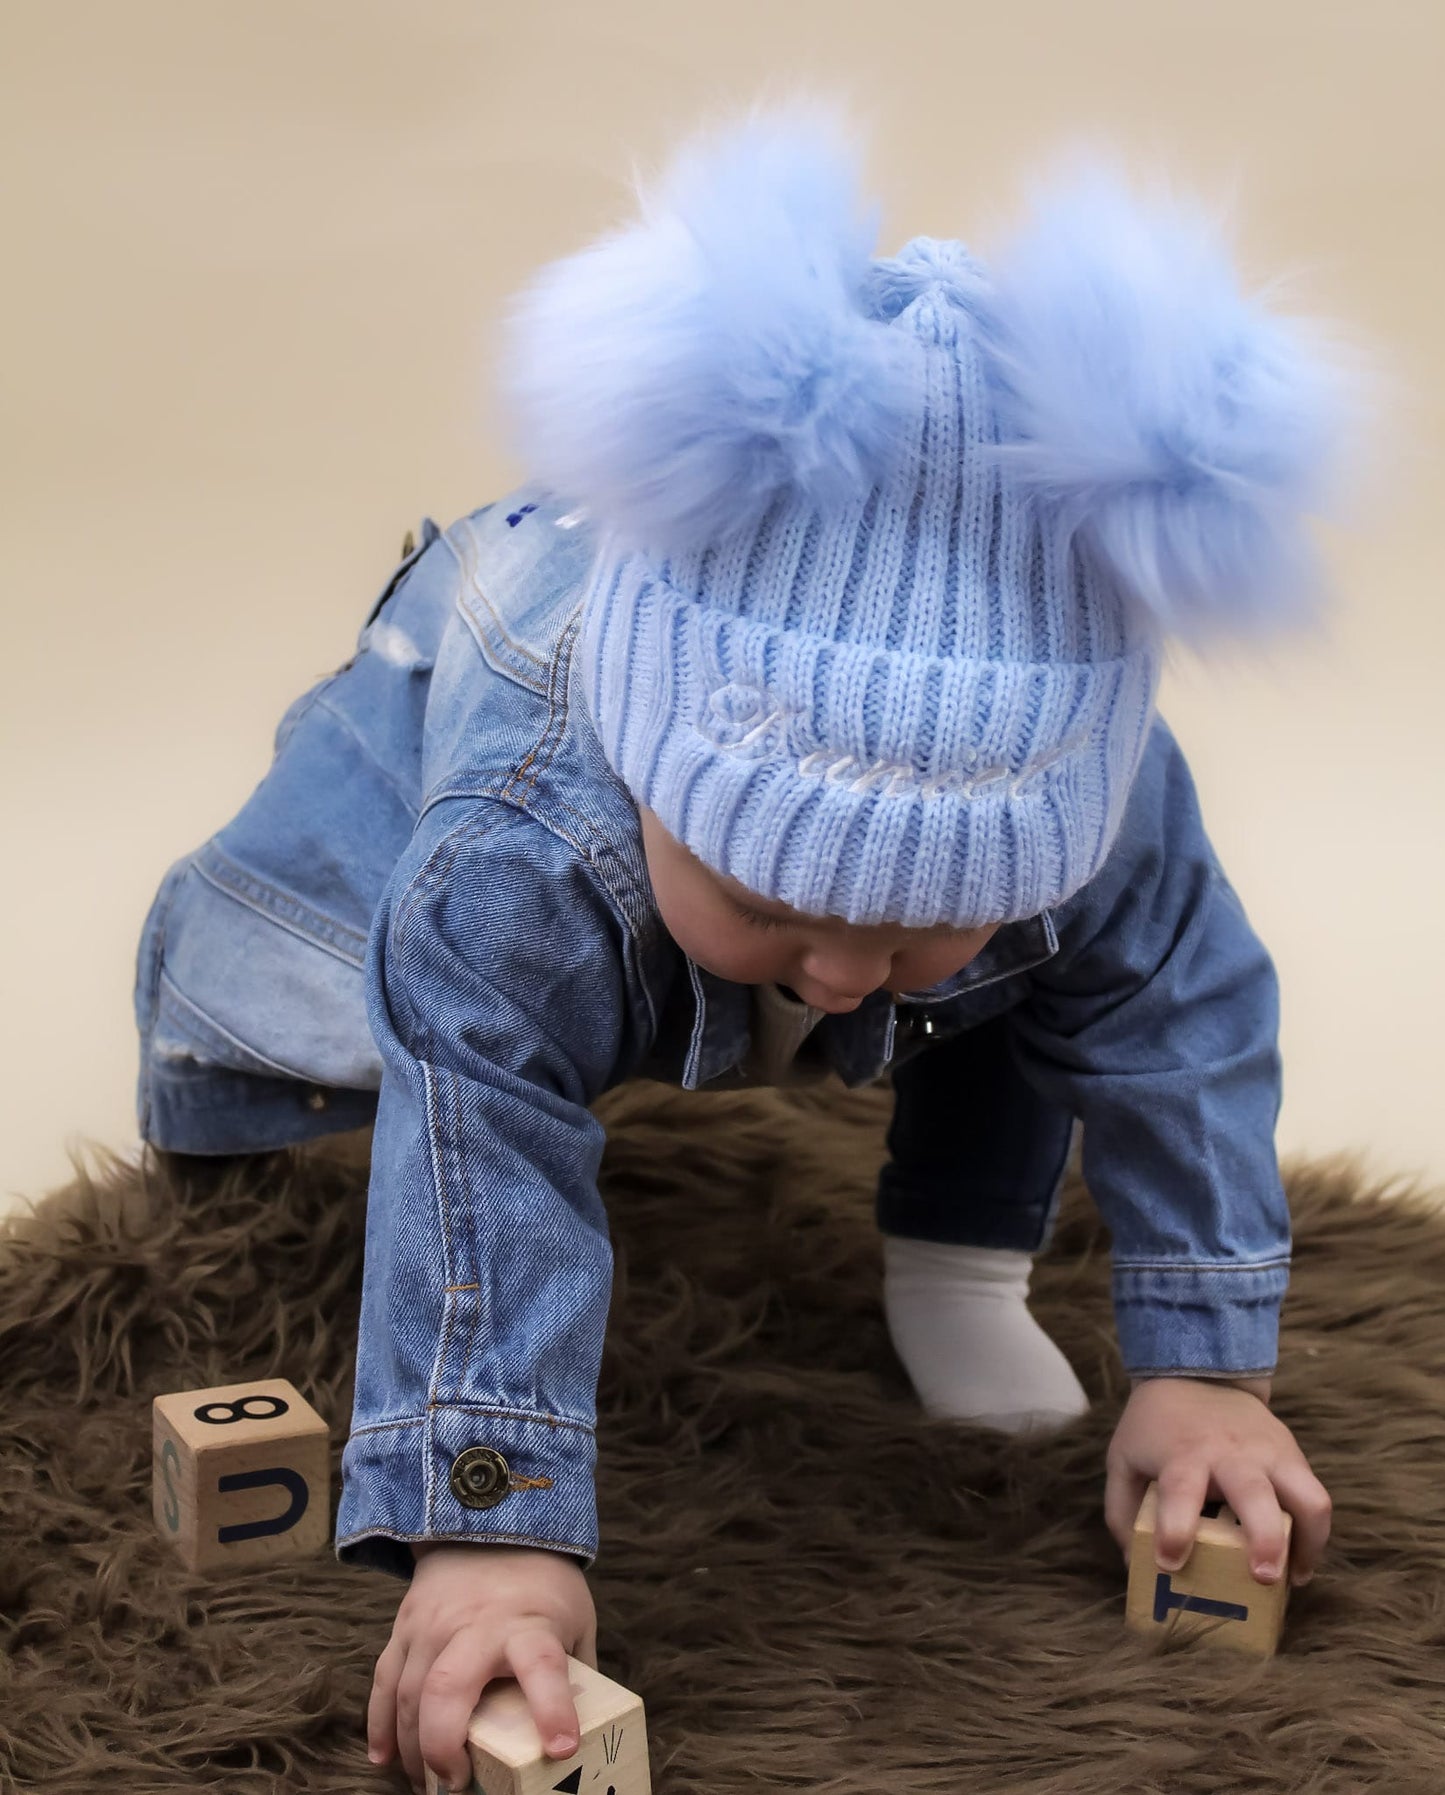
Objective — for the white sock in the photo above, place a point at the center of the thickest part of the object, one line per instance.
(960, 1322)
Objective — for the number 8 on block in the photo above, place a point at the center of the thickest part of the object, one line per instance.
(241, 1474)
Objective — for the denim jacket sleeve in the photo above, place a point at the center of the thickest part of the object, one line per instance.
(495, 995)
(1156, 1023)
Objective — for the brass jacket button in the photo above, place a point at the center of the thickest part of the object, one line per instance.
(480, 1477)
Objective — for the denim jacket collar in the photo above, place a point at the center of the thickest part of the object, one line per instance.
(858, 1045)
(1013, 948)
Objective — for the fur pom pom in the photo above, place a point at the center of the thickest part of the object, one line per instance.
(1181, 428)
(674, 377)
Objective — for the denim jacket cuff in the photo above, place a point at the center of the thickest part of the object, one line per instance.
(398, 1486)
(1203, 1319)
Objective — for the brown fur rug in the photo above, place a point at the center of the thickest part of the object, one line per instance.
(812, 1587)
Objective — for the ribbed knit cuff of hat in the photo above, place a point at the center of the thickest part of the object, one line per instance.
(848, 780)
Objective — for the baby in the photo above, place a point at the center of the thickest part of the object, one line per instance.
(796, 721)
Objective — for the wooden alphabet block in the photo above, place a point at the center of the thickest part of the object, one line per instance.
(1212, 1594)
(506, 1751)
(240, 1473)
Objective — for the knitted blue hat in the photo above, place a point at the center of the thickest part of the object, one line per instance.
(887, 549)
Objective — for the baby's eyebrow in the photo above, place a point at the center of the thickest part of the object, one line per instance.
(788, 916)
(747, 900)
(743, 899)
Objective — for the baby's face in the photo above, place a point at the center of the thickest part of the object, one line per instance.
(751, 940)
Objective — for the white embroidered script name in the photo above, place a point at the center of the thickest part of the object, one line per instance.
(739, 720)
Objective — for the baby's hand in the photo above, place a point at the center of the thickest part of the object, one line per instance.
(1201, 1438)
(473, 1613)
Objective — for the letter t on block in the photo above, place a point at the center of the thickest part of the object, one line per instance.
(507, 1756)
(241, 1474)
(1212, 1594)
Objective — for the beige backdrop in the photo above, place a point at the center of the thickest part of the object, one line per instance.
(253, 256)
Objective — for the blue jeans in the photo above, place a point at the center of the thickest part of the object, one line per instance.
(977, 1156)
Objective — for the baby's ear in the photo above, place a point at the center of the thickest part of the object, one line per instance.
(675, 376)
(1179, 427)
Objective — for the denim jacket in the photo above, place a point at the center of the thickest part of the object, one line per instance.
(434, 914)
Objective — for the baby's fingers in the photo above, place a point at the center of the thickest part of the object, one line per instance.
(1251, 1494)
(1124, 1490)
(409, 1689)
(453, 1684)
(540, 1665)
(1183, 1487)
(1308, 1501)
(381, 1708)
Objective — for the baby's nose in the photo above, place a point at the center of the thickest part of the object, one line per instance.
(849, 976)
